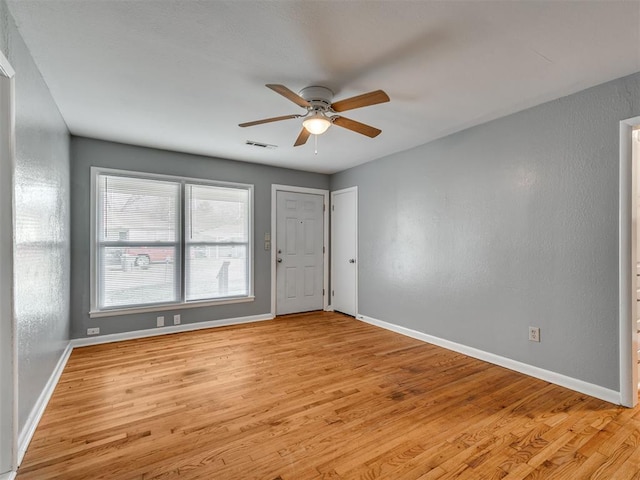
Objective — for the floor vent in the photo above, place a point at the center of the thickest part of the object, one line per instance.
(260, 144)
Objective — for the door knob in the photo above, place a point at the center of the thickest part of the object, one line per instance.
(279, 260)
(352, 260)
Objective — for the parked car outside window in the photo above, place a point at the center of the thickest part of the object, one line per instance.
(145, 256)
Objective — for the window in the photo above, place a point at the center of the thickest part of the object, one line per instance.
(164, 241)
(217, 242)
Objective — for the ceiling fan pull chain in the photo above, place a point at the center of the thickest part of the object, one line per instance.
(316, 152)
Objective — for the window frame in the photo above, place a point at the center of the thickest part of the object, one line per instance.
(188, 221)
(182, 243)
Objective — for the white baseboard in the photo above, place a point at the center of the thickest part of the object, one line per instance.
(41, 404)
(8, 476)
(564, 381)
(152, 332)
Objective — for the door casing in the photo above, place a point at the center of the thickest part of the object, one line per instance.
(627, 258)
(275, 188)
(8, 328)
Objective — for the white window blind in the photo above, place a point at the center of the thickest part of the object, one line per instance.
(147, 256)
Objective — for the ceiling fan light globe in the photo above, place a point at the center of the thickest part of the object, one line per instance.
(317, 124)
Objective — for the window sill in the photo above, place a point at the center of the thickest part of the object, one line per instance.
(168, 307)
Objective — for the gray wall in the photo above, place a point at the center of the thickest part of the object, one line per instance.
(86, 153)
(41, 256)
(476, 236)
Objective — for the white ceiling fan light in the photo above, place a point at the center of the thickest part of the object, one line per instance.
(317, 123)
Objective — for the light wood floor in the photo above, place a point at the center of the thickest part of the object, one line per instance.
(318, 396)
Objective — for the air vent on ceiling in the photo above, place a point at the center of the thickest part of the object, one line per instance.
(260, 144)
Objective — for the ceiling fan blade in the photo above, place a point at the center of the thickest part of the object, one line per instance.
(285, 92)
(357, 127)
(268, 120)
(364, 100)
(302, 138)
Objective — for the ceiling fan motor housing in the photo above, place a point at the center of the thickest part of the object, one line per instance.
(319, 97)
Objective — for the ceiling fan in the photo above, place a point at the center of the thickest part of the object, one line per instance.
(321, 113)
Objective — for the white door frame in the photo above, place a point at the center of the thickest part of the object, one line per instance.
(7, 165)
(275, 188)
(628, 257)
(345, 190)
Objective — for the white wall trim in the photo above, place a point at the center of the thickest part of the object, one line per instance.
(41, 404)
(8, 476)
(7, 215)
(627, 256)
(154, 332)
(275, 188)
(170, 307)
(6, 70)
(564, 381)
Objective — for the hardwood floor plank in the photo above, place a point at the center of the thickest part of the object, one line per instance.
(317, 396)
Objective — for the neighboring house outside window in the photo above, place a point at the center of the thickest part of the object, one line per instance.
(162, 240)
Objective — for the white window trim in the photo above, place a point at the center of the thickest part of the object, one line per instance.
(95, 312)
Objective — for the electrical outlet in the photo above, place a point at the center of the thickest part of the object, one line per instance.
(534, 334)
(160, 322)
(176, 319)
(93, 331)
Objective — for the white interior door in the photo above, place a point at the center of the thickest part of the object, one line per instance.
(299, 252)
(344, 250)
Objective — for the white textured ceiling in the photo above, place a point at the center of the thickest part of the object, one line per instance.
(181, 75)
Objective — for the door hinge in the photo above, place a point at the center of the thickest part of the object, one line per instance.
(323, 292)
(324, 207)
(333, 293)
(322, 249)
(333, 208)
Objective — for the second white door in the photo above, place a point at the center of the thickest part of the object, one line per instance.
(299, 252)
(344, 246)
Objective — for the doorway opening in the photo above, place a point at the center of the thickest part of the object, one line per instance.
(299, 249)
(629, 256)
